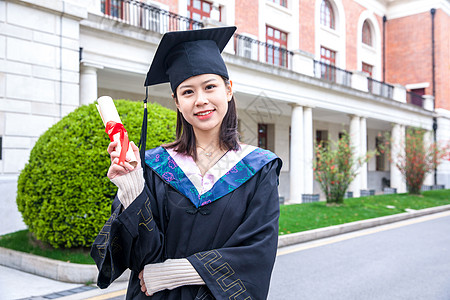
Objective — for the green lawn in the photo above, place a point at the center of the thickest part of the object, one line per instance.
(293, 218)
(307, 216)
(23, 241)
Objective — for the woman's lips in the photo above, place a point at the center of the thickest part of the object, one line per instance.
(204, 114)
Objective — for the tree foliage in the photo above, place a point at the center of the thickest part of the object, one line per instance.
(63, 192)
(335, 167)
(418, 159)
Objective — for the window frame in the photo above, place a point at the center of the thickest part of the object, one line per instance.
(263, 134)
(283, 3)
(327, 15)
(328, 66)
(273, 56)
(107, 7)
(191, 10)
(366, 34)
(367, 68)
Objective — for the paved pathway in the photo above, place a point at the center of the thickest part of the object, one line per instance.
(405, 260)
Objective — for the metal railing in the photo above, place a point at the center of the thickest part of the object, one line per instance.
(380, 88)
(414, 99)
(332, 73)
(145, 16)
(260, 51)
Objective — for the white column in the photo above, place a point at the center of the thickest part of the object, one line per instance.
(427, 141)
(397, 148)
(297, 160)
(88, 84)
(309, 150)
(355, 144)
(363, 152)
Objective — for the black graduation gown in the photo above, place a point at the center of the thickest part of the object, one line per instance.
(230, 239)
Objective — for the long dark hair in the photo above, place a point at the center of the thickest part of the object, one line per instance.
(228, 136)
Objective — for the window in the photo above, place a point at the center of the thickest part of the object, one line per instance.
(328, 59)
(327, 14)
(416, 96)
(276, 53)
(321, 136)
(262, 136)
(420, 91)
(366, 68)
(328, 56)
(200, 9)
(113, 8)
(380, 157)
(280, 2)
(266, 136)
(367, 34)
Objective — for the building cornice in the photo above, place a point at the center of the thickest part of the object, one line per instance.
(394, 9)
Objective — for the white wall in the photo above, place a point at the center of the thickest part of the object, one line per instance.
(39, 73)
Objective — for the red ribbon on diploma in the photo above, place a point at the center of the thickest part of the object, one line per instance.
(111, 129)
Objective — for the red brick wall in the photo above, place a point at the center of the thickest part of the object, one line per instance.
(173, 5)
(246, 17)
(307, 31)
(442, 46)
(352, 12)
(408, 50)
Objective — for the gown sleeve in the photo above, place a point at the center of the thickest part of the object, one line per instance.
(129, 239)
(242, 268)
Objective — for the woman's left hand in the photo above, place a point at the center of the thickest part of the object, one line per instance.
(142, 282)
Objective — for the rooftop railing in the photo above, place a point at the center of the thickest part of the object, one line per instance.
(380, 88)
(332, 73)
(261, 51)
(146, 16)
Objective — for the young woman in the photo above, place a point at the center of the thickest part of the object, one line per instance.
(200, 220)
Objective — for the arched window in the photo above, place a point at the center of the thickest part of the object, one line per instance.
(366, 34)
(327, 14)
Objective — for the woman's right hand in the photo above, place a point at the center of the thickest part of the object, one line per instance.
(116, 170)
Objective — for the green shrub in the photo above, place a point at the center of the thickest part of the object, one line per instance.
(63, 192)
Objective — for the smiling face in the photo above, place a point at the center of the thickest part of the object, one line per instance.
(203, 101)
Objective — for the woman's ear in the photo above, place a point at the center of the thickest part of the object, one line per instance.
(229, 91)
(176, 101)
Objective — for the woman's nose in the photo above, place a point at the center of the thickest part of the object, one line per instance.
(201, 99)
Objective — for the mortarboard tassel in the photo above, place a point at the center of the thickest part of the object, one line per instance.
(143, 139)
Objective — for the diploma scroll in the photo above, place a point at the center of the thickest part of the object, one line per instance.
(115, 130)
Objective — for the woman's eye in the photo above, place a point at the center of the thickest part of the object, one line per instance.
(211, 86)
(187, 92)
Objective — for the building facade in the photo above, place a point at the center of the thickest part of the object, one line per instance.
(302, 71)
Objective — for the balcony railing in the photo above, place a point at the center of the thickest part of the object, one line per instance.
(380, 88)
(263, 52)
(332, 73)
(139, 14)
(145, 16)
(414, 99)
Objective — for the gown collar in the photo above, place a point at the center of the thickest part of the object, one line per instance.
(230, 172)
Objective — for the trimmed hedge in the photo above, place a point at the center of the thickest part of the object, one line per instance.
(63, 192)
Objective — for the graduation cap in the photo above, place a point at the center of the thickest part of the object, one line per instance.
(183, 54)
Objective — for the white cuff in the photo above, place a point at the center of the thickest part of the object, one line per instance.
(170, 274)
(130, 186)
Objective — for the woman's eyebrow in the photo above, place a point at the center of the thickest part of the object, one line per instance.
(208, 81)
(185, 86)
